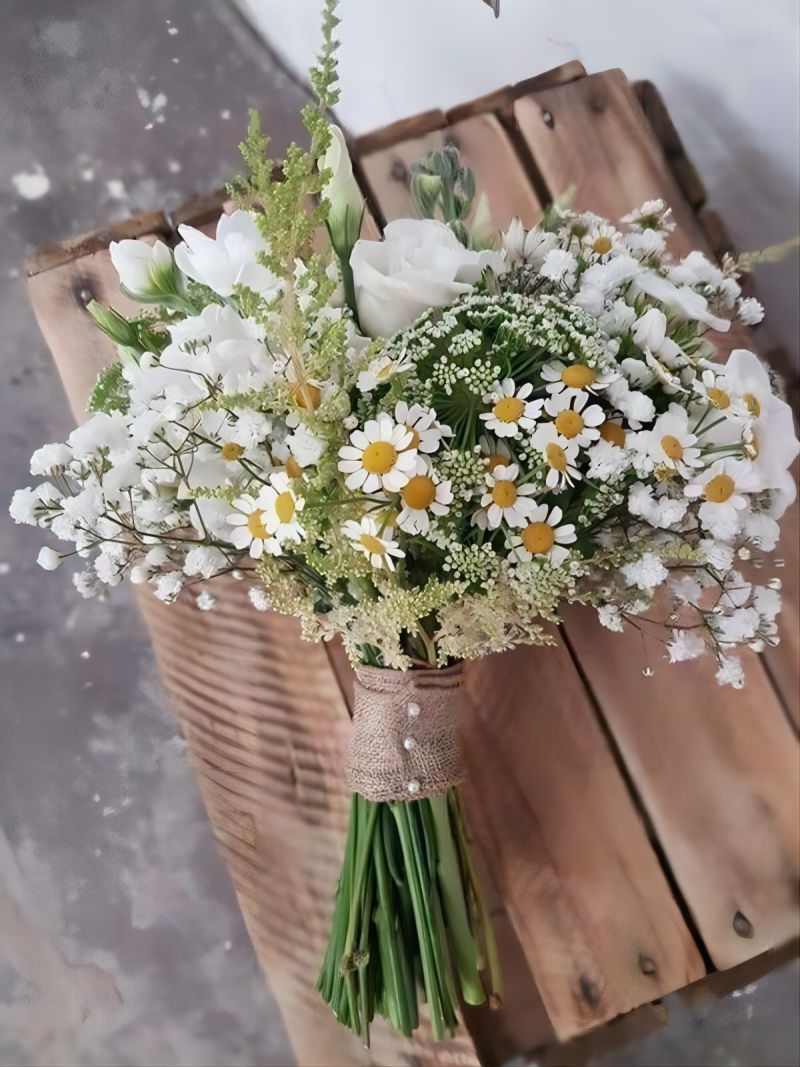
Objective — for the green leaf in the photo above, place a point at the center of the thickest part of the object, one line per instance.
(110, 392)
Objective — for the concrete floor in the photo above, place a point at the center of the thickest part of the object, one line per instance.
(120, 940)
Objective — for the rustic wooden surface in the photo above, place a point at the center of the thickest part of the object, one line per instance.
(629, 829)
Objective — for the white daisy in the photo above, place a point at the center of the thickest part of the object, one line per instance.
(378, 546)
(671, 443)
(573, 419)
(559, 454)
(250, 529)
(601, 239)
(722, 488)
(380, 456)
(423, 495)
(543, 536)
(720, 393)
(280, 506)
(573, 379)
(426, 431)
(505, 501)
(511, 409)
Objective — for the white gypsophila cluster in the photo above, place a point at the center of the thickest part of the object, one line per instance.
(432, 468)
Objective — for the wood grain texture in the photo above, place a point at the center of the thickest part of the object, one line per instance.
(719, 775)
(485, 146)
(554, 821)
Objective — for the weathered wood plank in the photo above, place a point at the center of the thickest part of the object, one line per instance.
(485, 146)
(718, 772)
(584, 890)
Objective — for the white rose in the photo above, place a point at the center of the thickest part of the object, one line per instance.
(419, 264)
(342, 192)
(144, 269)
(650, 330)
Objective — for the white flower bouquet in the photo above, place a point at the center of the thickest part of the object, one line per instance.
(427, 446)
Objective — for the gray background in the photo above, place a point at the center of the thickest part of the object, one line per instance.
(120, 941)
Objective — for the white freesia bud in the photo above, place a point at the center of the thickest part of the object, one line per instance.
(419, 264)
(650, 330)
(342, 193)
(144, 270)
(49, 559)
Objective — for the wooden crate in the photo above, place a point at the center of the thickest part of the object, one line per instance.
(636, 834)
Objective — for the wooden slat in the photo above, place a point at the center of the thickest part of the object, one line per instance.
(718, 772)
(783, 662)
(592, 136)
(553, 819)
(485, 146)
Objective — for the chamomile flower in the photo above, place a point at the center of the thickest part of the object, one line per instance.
(426, 431)
(544, 536)
(559, 455)
(717, 391)
(574, 378)
(505, 499)
(511, 410)
(280, 506)
(378, 457)
(601, 239)
(671, 444)
(573, 419)
(722, 487)
(423, 495)
(377, 545)
(250, 531)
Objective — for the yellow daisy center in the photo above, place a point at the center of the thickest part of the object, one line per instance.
(538, 537)
(293, 468)
(504, 494)
(414, 442)
(671, 446)
(556, 457)
(255, 524)
(719, 489)
(495, 459)
(601, 245)
(613, 433)
(508, 409)
(719, 398)
(230, 450)
(373, 544)
(577, 376)
(419, 492)
(752, 404)
(284, 507)
(569, 423)
(306, 396)
(379, 457)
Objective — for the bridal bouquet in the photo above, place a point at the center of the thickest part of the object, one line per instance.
(427, 445)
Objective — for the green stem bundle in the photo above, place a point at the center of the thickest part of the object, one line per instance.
(409, 918)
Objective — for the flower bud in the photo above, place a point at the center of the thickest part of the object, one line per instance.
(343, 195)
(146, 272)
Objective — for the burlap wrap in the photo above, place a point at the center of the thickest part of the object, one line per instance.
(404, 743)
